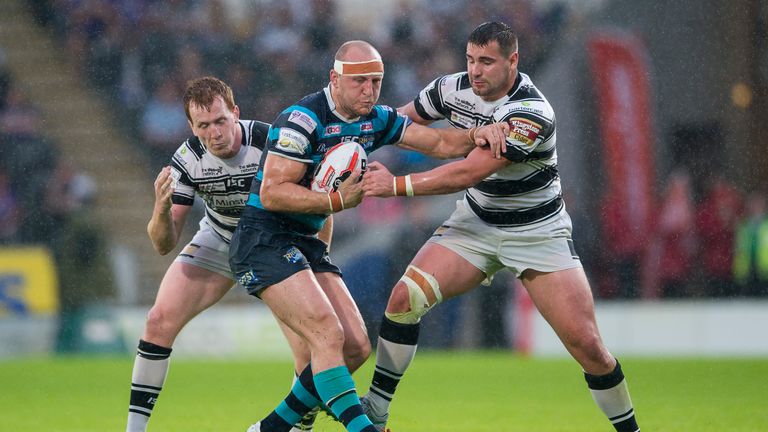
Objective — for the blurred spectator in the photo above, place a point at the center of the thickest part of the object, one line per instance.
(9, 212)
(83, 270)
(750, 264)
(68, 192)
(163, 125)
(716, 219)
(620, 258)
(675, 237)
(26, 158)
(19, 118)
(5, 80)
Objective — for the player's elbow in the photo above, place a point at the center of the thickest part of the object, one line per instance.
(162, 247)
(268, 199)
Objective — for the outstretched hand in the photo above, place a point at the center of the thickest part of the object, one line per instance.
(378, 181)
(493, 135)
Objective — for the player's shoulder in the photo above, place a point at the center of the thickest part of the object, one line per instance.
(454, 82)
(382, 111)
(256, 132)
(525, 97)
(190, 150)
(305, 115)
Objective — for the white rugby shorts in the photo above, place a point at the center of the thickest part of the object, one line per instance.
(207, 250)
(546, 247)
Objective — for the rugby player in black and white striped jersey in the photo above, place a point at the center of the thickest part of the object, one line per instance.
(512, 216)
(218, 164)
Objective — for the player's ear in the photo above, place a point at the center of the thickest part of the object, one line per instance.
(513, 58)
(334, 78)
(236, 112)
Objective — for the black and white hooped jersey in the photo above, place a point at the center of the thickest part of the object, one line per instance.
(222, 184)
(526, 192)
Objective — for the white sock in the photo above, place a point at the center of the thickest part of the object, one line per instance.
(149, 371)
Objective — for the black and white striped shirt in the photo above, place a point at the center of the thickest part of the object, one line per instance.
(527, 192)
(222, 184)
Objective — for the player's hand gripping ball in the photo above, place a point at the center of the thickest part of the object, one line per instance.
(337, 165)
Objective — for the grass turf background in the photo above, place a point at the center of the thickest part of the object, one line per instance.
(443, 391)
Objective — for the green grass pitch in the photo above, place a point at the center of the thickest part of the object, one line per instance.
(443, 391)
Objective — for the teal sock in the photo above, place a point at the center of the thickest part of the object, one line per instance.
(337, 390)
(302, 398)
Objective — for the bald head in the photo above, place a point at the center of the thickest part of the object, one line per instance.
(358, 58)
(357, 51)
(356, 78)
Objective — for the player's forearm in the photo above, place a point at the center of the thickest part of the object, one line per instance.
(442, 180)
(292, 198)
(453, 143)
(162, 231)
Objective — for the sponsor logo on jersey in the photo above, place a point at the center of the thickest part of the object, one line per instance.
(293, 255)
(249, 167)
(365, 141)
(212, 187)
(461, 119)
(291, 141)
(366, 127)
(523, 130)
(461, 103)
(213, 171)
(528, 107)
(228, 202)
(333, 129)
(303, 120)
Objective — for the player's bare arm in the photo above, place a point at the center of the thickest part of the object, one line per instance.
(167, 220)
(449, 178)
(409, 110)
(280, 189)
(452, 143)
(496, 141)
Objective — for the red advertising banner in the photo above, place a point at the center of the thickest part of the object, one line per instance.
(620, 76)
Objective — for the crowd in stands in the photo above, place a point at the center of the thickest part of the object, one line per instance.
(139, 54)
(44, 201)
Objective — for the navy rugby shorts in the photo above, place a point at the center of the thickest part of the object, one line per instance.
(267, 248)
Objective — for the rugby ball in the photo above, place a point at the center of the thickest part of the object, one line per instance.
(337, 165)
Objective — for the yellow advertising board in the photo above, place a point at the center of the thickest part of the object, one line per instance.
(28, 282)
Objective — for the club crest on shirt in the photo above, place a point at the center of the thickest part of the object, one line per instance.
(523, 130)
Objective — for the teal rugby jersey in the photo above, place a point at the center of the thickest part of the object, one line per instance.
(306, 130)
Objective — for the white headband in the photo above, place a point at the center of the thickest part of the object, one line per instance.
(370, 67)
